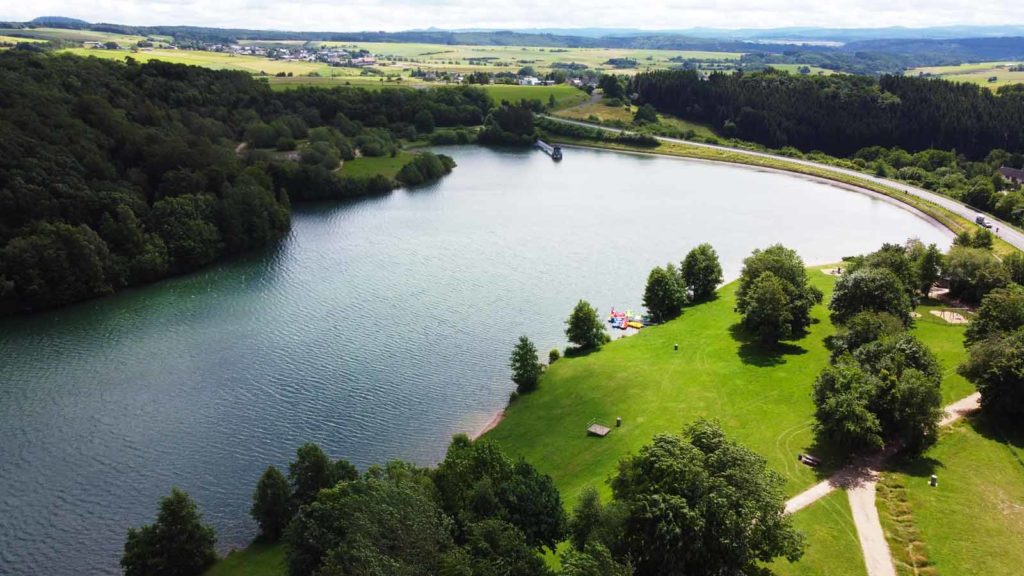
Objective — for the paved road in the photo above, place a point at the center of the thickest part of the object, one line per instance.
(1006, 232)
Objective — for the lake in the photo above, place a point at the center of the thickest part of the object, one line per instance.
(378, 328)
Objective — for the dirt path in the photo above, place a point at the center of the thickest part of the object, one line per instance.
(877, 557)
(860, 481)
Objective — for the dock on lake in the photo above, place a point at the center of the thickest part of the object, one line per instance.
(554, 151)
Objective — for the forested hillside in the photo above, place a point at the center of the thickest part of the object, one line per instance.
(114, 175)
(841, 114)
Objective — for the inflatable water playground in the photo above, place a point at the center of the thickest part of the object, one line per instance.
(623, 320)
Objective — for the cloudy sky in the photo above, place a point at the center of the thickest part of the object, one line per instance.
(351, 15)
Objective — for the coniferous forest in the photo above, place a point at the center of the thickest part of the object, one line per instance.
(114, 175)
(841, 114)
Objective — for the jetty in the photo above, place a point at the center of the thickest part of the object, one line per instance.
(554, 151)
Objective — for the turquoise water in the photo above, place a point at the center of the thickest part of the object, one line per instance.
(378, 328)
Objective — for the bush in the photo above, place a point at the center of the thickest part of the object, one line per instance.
(996, 366)
(1001, 311)
(554, 355)
(425, 167)
(973, 272)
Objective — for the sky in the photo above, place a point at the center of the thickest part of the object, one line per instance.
(392, 15)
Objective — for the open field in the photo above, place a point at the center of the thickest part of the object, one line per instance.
(71, 35)
(795, 69)
(973, 522)
(831, 547)
(17, 39)
(977, 73)
(512, 58)
(217, 61)
(620, 116)
(370, 166)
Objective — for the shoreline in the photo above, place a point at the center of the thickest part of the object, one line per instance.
(892, 200)
(491, 424)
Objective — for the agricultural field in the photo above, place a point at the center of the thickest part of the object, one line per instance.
(795, 69)
(980, 73)
(457, 58)
(216, 61)
(17, 39)
(71, 35)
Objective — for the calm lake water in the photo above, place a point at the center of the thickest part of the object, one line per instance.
(378, 328)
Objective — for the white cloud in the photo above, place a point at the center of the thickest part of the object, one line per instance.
(338, 15)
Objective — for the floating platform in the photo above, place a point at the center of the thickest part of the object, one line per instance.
(554, 151)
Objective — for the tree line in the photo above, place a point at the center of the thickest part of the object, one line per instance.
(841, 114)
(115, 175)
(481, 513)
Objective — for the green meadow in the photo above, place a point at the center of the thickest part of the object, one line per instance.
(973, 521)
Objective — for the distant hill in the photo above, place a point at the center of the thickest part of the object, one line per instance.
(59, 22)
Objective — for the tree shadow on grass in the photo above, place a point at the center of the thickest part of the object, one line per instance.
(1006, 434)
(756, 353)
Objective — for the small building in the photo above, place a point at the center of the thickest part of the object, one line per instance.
(92, 44)
(1014, 175)
(529, 81)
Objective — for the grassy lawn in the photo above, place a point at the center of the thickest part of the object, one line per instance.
(371, 165)
(973, 522)
(947, 341)
(832, 546)
(256, 560)
(761, 397)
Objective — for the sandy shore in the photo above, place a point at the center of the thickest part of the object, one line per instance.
(494, 421)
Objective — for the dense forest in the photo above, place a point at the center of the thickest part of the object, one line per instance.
(841, 114)
(114, 175)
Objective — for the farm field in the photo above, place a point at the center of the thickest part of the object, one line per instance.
(978, 73)
(214, 60)
(71, 35)
(512, 58)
